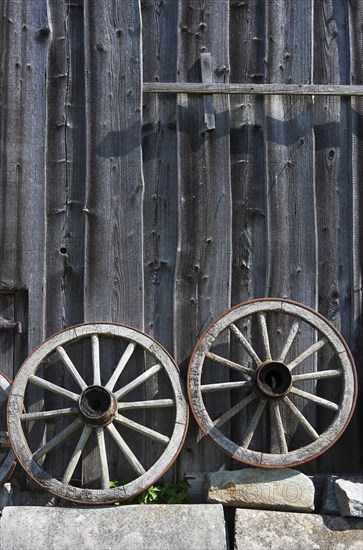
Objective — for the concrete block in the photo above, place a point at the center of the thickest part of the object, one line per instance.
(349, 495)
(266, 530)
(278, 489)
(152, 527)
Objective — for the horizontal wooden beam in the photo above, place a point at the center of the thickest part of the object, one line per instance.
(258, 89)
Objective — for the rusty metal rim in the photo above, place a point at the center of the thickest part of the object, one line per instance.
(256, 463)
(182, 417)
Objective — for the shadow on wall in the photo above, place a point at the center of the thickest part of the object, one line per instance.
(284, 132)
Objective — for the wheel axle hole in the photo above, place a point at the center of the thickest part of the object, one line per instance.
(95, 401)
(273, 379)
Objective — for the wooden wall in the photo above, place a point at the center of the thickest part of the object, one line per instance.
(119, 206)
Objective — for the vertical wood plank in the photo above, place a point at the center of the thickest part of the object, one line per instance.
(333, 189)
(159, 23)
(249, 268)
(114, 287)
(160, 170)
(290, 174)
(114, 244)
(248, 177)
(202, 282)
(24, 36)
(25, 33)
(356, 71)
(65, 164)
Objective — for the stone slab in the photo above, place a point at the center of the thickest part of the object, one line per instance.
(349, 495)
(152, 527)
(266, 530)
(272, 489)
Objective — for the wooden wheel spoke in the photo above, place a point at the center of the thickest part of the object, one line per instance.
(125, 449)
(229, 364)
(156, 436)
(264, 334)
(68, 363)
(41, 383)
(245, 343)
(95, 345)
(276, 416)
(301, 418)
(148, 404)
(314, 348)
(57, 439)
(120, 367)
(333, 373)
(234, 410)
(76, 454)
(206, 388)
(316, 399)
(46, 415)
(105, 476)
(249, 433)
(289, 340)
(139, 380)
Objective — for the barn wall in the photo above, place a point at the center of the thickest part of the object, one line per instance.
(118, 206)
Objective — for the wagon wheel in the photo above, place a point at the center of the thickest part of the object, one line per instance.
(90, 370)
(7, 457)
(288, 360)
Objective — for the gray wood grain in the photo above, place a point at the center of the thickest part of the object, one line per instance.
(203, 271)
(248, 176)
(333, 186)
(290, 176)
(113, 282)
(256, 89)
(65, 167)
(114, 181)
(23, 131)
(356, 76)
(161, 189)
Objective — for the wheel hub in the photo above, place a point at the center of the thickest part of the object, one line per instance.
(97, 406)
(272, 380)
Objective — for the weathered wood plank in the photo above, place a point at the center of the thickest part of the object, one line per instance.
(356, 72)
(160, 23)
(114, 283)
(333, 187)
(202, 282)
(248, 175)
(160, 170)
(290, 178)
(24, 35)
(256, 89)
(114, 182)
(65, 166)
(65, 185)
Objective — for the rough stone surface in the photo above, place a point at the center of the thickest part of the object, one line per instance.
(172, 527)
(329, 503)
(265, 530)
(350, 498)
(285, 489)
